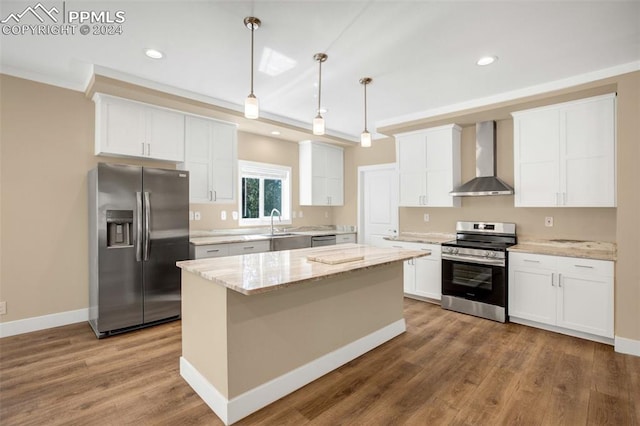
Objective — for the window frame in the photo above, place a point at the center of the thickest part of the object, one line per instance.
(252, 169)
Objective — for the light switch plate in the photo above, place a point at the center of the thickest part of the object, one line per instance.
(196, 215)
(190, 214)
(548, 221)
(223, 215)
(234, 214)
(426, 217)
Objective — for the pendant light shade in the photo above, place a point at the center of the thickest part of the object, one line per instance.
(251, 106)
(318, 121)
(365, 136)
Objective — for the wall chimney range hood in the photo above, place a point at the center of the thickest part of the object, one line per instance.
(486, 182)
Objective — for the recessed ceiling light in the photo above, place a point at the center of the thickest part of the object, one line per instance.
(486, 60)
(153, 53)
(275, 132)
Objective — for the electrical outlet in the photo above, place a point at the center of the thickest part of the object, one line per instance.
(426, 217)
(196, 215)
(234, 214)
(548, 221)
(223, 215)
(190, 214)
(3, 308)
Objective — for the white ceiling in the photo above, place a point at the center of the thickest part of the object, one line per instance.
(420, 54)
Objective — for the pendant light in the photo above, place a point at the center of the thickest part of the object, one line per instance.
(365, 137)
(251, 107)
(318, 121)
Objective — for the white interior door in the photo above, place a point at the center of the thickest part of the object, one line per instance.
(377, 203)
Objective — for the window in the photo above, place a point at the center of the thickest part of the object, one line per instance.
(264, 187)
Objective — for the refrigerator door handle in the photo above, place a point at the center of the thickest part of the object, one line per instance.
(147, 225)
(138, 226)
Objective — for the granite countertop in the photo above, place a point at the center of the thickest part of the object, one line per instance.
(424, 238)
(570, 248)
(262, 272)
(239, 238)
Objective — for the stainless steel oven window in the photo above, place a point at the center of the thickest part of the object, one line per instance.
(473, 276)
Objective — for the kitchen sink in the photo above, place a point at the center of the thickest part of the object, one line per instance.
(289, 241)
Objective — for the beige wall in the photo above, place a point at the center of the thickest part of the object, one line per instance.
(619, 224)
(570, 223)
(263, 149)
(46, 136)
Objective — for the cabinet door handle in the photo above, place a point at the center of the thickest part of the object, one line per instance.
(583, 266)
(552, 277)
(149, 149)
(215, 195)
(531, 261)
(559, 280)
(248, 247)
(396, 247)
(142, 148)
(210, 195)
(213, 251)
(564, 198)
(557, 198)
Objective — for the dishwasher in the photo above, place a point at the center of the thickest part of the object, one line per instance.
(324, 240)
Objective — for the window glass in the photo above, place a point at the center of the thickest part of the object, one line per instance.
(264, 187)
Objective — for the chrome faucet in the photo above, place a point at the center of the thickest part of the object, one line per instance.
(279, 218)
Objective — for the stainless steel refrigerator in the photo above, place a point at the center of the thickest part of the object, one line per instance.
(138, 229)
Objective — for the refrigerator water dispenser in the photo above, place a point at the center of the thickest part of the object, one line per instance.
(119, 228)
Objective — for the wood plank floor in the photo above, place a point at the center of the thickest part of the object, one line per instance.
(448, 368)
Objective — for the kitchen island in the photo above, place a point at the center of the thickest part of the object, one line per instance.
(259, 326)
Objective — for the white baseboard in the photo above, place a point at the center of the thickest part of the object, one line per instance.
(230, 411)
(627, 346)
(28, 325)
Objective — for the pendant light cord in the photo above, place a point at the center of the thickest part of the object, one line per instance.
(252, 30)
(365, 107)
(319, 84)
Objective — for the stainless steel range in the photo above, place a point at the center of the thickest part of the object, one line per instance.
(474, 269)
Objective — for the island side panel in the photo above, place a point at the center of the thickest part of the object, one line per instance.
(273, 333)
(204, 329)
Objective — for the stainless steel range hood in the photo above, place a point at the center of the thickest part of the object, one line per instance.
(486, 182)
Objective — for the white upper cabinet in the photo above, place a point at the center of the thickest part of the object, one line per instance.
(321, 174)
(133, 129)
(565, 154)
(429, 166)
(211, 159)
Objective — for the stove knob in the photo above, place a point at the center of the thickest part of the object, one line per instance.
(489, 254)
(455, 251)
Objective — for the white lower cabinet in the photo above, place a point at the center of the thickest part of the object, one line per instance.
(229, 249)
(572, 294)
(423, 275)
(345, 238)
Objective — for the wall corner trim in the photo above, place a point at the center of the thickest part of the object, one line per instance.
(627, 346)
(27, 325)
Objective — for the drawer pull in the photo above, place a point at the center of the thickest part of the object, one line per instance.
(583, 266)
(396, 247)
(532, 261)
(552, 276)
(213, 251)
(248, 248)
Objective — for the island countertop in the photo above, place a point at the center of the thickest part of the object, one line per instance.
(262, 272)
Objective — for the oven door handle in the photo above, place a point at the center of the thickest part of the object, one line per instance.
(470, 259)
